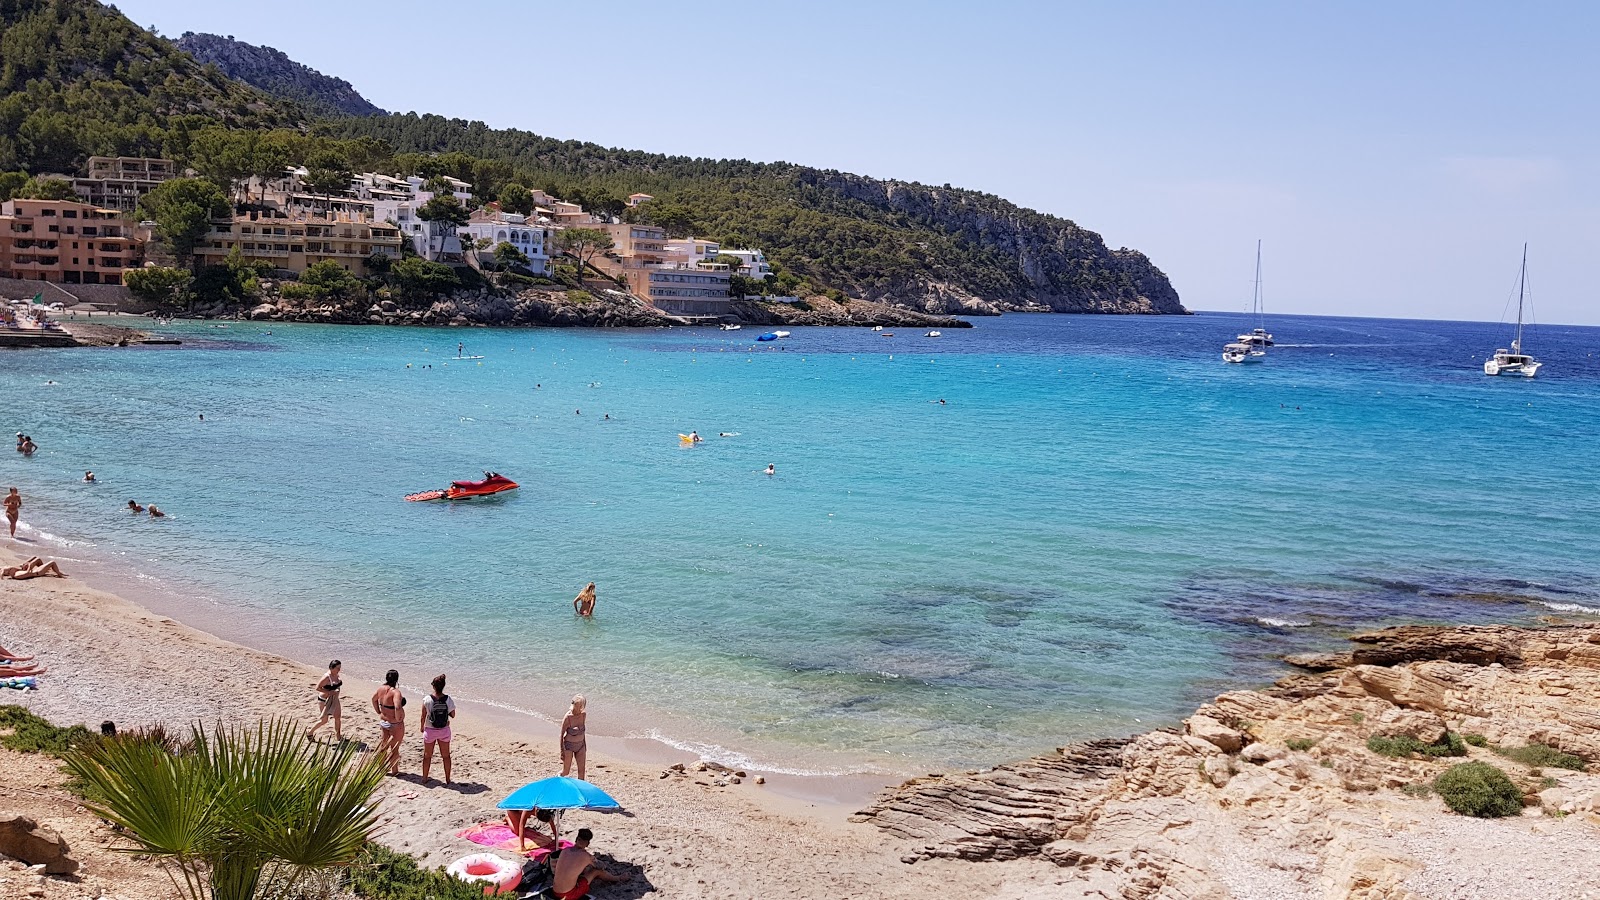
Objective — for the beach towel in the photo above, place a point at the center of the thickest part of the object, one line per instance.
(500, 837)
(24, 683)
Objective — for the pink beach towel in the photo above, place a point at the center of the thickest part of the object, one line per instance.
(501, 837)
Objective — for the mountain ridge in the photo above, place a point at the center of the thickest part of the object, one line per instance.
(274, 72)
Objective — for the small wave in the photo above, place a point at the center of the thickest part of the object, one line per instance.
(1569, 607)
(509, 708)
(735, 759)
(1281, 623)
(49, 538)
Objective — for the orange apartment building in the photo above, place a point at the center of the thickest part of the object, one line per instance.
(65, 242)
(665, 278)
(297, 241)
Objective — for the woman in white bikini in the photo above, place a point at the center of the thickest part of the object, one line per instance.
(328, 698)
(574, 742)
(389, 704)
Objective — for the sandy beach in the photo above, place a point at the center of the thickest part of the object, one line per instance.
(681, 835)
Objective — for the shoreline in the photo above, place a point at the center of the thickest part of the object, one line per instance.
(689, 834)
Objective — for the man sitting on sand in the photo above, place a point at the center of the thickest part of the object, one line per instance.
(576, 869)
(33, 568)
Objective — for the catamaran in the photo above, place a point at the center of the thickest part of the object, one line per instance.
(1252, 346)
(1514, 361)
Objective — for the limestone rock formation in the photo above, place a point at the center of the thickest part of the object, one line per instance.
(1275, 792)
(275, 73)
(22, 838)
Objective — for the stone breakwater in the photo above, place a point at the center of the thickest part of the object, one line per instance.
(1275, 793)
(599, 309)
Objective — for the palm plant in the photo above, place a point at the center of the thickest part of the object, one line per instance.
(240, 813)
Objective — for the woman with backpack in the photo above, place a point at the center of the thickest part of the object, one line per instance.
(437, 711)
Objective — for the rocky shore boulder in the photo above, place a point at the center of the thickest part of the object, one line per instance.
(23, 838)
(1277, 792)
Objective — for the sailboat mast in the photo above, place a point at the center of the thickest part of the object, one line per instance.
(1260, 313)
(1522, 282)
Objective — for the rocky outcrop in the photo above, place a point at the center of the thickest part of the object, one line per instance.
(22, 838)
(275, 73)
(1058, 266)
(1275, 792)
(822, 311)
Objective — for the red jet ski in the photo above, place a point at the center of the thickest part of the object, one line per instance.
(492, 483)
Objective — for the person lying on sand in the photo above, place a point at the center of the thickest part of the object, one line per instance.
(21, 671)
(6, 656)
(33, 568)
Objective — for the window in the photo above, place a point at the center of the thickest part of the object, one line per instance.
(69, 213)
(48, 213)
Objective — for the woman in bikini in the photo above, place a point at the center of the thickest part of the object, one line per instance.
(389, 704)
(574, 743)
(328, 698)
(33, 568)
(13, 509)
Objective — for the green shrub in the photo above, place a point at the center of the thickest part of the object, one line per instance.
(576, 296)
(1540, 755)
(1358, 718)
(1301, 744)
(1478, 789)
(382, 874)
(1476, 740)
(31, 734)
(1404, 745)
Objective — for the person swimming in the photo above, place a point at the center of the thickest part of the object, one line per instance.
(88, 477)
(694, 437)
(771, 470)
(156, 513)
(134, 507)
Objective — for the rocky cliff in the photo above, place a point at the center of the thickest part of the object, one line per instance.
(1280, 793)
(1052, 263)
(275, 73)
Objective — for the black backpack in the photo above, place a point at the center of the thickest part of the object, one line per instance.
(439, 712)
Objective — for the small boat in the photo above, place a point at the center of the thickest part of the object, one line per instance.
(1251, 347)
(877, 328)
(769, 336)
(780, 333)
(887, 334)
(1514, 361)
(934, 334)
(730, 327)
(492, 483)
(1241, 353)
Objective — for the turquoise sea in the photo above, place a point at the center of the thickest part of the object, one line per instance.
(1101, 525)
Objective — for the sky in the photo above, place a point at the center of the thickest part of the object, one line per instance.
(1392, 158)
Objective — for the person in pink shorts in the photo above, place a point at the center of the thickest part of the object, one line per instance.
(437, 711)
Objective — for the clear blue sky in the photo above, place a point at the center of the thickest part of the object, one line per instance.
(1392, 157)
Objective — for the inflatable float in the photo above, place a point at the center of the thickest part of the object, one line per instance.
(769, 336)
(496, 874)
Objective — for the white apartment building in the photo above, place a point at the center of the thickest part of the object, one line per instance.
(753, 263)
(533, 239)
(433, 241)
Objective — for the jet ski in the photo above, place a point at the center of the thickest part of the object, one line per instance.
(492, 483)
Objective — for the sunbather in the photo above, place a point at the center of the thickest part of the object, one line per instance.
(517, 820)
(8, 656)
(33, 568)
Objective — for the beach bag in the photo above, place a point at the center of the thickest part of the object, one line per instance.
(439, 712)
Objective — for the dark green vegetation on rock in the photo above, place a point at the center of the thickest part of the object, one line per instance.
(78, 79)
(1478, 789)
(1541, 756)
(1405, 745)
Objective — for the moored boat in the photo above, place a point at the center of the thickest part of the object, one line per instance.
(491, 484)
(1514, 361)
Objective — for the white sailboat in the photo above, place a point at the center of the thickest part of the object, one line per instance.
(1514, 361)
(1251, 347)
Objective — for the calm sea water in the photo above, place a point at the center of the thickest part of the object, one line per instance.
(1101, 524)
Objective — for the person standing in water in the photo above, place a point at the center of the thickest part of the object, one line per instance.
(437, 711)
(13, 509)
(574, 740)
(389, 704)
(328, 698)
(583, 604)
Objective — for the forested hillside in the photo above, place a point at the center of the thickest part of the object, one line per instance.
(79, 79)
(940, 249)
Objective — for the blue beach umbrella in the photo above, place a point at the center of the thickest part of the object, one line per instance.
(558, 793)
